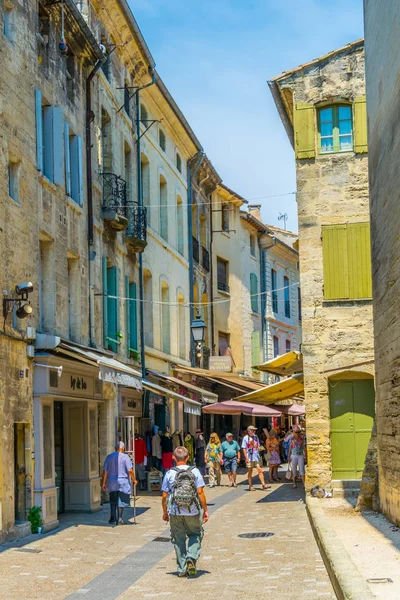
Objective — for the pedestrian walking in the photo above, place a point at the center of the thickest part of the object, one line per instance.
(213, 460)
(274, 458)
(251, 451)
(297, 454)
(116, 473)
(200, 450)
(230, 456)
(184, 505)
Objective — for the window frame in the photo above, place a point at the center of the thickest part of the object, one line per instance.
(223, 286)
(162, 136)
(336, 135)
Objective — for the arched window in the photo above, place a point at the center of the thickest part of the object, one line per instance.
(162, 140)
(163, 208)
(165, 319)
(145, 172)
(179, 162)
(179, 225)
(144, 115)
(181, 326)
(148, 308)
(335, 128)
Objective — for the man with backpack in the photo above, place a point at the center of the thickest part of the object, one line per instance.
(185, 507)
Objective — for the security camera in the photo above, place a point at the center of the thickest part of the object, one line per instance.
(24, 288)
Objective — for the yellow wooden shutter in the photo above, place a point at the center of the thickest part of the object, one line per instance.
(360, 125)
(304, 130)
(336, 273)
(359, 260)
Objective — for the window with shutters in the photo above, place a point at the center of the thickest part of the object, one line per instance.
(347, 261)
(165, 319)
(75, 152)
(162, 140)
(49, 140)
(255, 349)
(112, 335)
(223, 275)
(254, 292)
(274, 292)
(335, 128)
(286, 289)
(131, 318)
(148, 307)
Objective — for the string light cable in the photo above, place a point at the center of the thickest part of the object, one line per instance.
(198, 304)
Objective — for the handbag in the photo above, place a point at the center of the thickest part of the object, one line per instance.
(288, 473)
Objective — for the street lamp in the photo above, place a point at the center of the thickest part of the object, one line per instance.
(198, 329)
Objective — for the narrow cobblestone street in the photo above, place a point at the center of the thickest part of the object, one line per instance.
(88, 558)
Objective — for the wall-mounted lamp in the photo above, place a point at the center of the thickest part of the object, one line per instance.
(24, 309)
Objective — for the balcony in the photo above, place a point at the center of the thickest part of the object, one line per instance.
(114, 201)
(223, 287)
(196, 250)
(205, 259)
(136, 233)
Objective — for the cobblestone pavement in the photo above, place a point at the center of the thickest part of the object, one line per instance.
(89, 559)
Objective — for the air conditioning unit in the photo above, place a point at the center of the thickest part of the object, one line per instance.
(30, 351)
(31, 333)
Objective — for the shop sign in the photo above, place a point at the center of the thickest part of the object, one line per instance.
(220, 363)
(75, 384)
(119, 378)
(130, 406)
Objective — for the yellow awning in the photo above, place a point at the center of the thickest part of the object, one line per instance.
(282, 390)
(283, 365)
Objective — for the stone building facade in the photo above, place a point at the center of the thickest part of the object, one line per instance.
(382, 67)
(322, 106)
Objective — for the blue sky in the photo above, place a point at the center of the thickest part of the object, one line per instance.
(215, 56)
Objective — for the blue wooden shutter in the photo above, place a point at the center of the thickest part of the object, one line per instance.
(53, 159)
(39, 130)
(254, 292)
(67, 160)
(133, 340)
(105, 303)
(76, 170)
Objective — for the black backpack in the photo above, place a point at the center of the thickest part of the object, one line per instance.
(184, 490)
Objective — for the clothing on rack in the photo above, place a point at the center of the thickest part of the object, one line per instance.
(176, 439)
(140, 450)
(189, 445)
(156, 446)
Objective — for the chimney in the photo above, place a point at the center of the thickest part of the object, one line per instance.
(255, 211)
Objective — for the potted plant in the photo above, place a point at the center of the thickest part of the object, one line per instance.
(35, 518)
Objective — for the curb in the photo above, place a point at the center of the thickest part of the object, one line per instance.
(346, 579)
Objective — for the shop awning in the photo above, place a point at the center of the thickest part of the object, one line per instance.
(292, 410)
(284, 365)
(190, 406)
(231, 407)
(282, 390)
(231, 380)
(110, 369)
(207, 397)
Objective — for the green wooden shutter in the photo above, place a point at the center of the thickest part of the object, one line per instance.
(254, 292)
(304, 130)
(105, 302)
(112, 309)
(255, 348)
(128, 315)
(359, 260)
(133, 340)
(335, 262)
(360, 125)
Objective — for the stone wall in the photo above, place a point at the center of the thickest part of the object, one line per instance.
(383, 103)
(331, 189)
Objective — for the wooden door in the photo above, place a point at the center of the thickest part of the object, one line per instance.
(352, 410)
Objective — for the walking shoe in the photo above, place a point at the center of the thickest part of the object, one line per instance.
(191, 567)
(182, 573)
(121, 521)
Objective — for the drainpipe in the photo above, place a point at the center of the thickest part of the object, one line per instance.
(140, 203)
(190, 174)
(89, 180)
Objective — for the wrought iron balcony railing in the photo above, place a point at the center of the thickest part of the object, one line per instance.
(114, 200)
(136, 234)
(196, 248)
(223, 287)
(205, 258)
